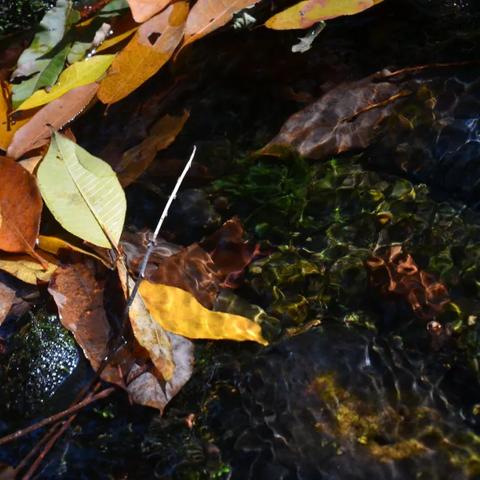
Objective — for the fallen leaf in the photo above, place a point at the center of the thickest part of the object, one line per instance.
(7, 297)
(147, 52)
(9, 124)
(82, 192)
(142, 10)
(307, 13)
(137, 159)
(179, 312)
(28, 270)
(149, 334)
(146, 389)
(207, 16)
(78, 294)
(111, 42)
(55, 245)
(76, 75)
(20, 208)
(31, 164)
(37, 131)
(345, 118)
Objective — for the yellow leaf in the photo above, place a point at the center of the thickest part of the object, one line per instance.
(8, 125)
(147, 52)
(25, 268)
(110, 42)
(78, 74)
(179, 312)
(307, 13)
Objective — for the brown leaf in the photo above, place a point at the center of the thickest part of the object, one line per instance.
(146, 389)
(142, 10)
(20, 208)
(56, 114)
(7, 297)
(345, 118)
(78, 293)
(147, 52)
(137, 159)
(207, 16)
(11, 293)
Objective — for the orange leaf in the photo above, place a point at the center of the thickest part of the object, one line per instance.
(208, 15)
(20, 208)
(142, 10)
(147, 52)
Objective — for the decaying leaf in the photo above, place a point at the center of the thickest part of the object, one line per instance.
(137, 159)
(146, 389)
(207, 16)
(149, 334)
(7, 297)
(307, 13)
(142, 10)
(82, 192)
(20, 208)
(27, 269)
(147, 52)
(37, 131)
(78, 293)
(80, 73)
(179, 312)
(345, 118)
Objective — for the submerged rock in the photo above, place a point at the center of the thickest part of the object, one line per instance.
(43, 357)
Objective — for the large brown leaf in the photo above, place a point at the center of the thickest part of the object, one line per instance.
(345, 118)
(56, 114)
(78, 293)
(142, 10)
(208, 15)
(20, 208)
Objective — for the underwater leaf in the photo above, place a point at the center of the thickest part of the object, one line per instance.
(27, 269)
(147, 52)
(80, 73)
(307, 13)
(142, 10)
(208, 15)
(179, 312)
(37, 131)
(82, 192)
(79, 296)
(149, 334)
(138, 158)
(20, 208)
(345, 118)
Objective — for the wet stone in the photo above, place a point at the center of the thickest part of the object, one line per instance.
(43, 356)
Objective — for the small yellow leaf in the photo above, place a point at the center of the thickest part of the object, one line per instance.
(28, 270)
(76, 75)
(179, 312)
(307, 13)
(110, 42)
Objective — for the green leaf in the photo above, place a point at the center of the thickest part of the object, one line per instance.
(82, 192)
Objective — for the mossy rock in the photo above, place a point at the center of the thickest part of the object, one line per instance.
(43, 357)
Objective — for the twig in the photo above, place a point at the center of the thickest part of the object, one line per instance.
(57, 416)
(152, 241)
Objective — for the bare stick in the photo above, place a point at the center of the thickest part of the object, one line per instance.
(152, 241)
(57, 416)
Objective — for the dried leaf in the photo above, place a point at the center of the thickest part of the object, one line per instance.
(7, 297)
(179, 312)
(146, 389)
(78, 294)
(345, 118)
(142, 10)
(147, 52)
(137, 159)
(207, 16)
(20, 208)
(149, 334)
(82, 192)
(28, 270)
(307, 13)
(55, 115)
(78, 74)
